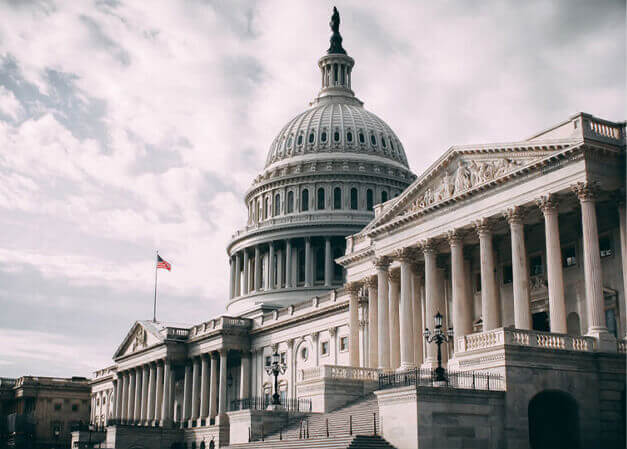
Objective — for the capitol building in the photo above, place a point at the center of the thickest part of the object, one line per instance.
(512, 255)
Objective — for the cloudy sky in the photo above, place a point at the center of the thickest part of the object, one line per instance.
(130, 126)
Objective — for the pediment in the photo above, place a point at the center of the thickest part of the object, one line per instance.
(462, 171)
(139, 337)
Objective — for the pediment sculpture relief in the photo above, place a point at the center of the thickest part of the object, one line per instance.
(139, 338)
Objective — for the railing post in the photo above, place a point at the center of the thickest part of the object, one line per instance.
(249, 435)
(350, 424)
(327, 426)
(374, 422)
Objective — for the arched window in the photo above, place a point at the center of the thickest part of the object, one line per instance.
(384, 196)
(311, 137)
(289, 142)
(266, 210)
(300, 140)
(336, 136)
(304, 200)
(362, 138)
(391, 143)
(349, 136)
(320, 198)
(383, 142)
(354, 198)
(323, 136)
(373, 140)
(369, 199)
(337, 198)
(277, 204)
(290, 202)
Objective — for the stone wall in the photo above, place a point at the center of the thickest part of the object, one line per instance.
(138, 437)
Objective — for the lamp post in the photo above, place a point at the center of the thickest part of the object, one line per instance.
(439, 337)
(276, 367)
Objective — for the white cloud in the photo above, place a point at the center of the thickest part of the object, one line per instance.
(9, 105)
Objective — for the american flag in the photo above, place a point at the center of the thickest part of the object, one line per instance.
(163, 264)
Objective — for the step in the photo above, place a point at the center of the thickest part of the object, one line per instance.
(350, 442)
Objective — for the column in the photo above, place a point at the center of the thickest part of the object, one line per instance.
(416, 289)
(353, 323)
(213, 390)
(118, 397)
(187, 392)
(333, 334)
(593, 274)
(222, 382)
(246, 273)
(520, 271)
(130, 411)
(232, 277)
(144, 396)
(395, 336)
(138, 395)
(166, 410)
(291, 369)
(152, 380)
(555, 275)
(462, 317)
(433, 298)
(257, 268)
(244, 385)
(279, 268)
(204, 386)
(159, 391)
(196, 388)
(328, 262)
(373, 321)
(382, 264)
(623, 253)
(308, 257)
(288, 263)
(238, 275)
(489, 296)
(407, 360)
(271, 266)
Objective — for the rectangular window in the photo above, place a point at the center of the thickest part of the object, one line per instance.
(535, 266)
(605, 246)
(508, 275)
(343, 344)
(569, 257)
(75, 406)
(283, 357)
(57, 407)
(268, 360)
(283, 396)
(324, 348)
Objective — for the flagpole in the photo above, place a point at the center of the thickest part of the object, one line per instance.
(154, 307)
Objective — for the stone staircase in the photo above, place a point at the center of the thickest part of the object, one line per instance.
(343, 442)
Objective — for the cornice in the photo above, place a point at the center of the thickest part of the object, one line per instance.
(337, 307)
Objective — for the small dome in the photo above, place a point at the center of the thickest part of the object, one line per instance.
(339, 126)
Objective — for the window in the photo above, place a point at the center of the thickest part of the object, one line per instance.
(477, 282)
(319, 264)
(323, 136)
(569, 257)
(283, 396)
(369, 199)
(383, 142)
(289, 142)
(266, 396)
(277, 204)
(304, 353)
(362, 138)
(605, 246)
(311, 137)
(343, 344)
(57, 429)
(338, 271)
(384, 196)
(75, 406)
(540, 322)
(391, 144)
(320, 198)
(283, 357)
(324, 348)
(535, 266)
(57, 407)
(300, 140)
(508, 275)
(301, 265)
(268, 360)
(373, 140)
(290, 202)
(304, 200)
(336, 136)
(354, 198)
(266, 210)
(349, 136)
(337, 198)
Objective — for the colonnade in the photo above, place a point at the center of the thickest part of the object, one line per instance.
(281, 267)
(394, 293)
(100, 408)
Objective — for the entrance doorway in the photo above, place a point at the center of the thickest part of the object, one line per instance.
(553, 421)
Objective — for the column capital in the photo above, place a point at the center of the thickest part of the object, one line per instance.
(395, 275)
(586, 191)
(428, 246)
(483, 226)
(213, 355)
(315, 335)
(406, 254)
(455, 236)
(382, 262)
(371, 282)
(363, 324)
(515, 214)
(353, 287)
(547, 203)
(290, 343)
(223, 351)
(333, 331)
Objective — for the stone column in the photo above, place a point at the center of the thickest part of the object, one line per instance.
(288, 263)
(271, 266)
(416, 288)
(152, 380)
(489, 296)
(144, 396)
(204, 386)
(244, 385)
(257, 268)
(395, 336)
(593, 274)
(555, 275)
(279, 268)
(373, 320)
(328, 262)
(232, 278)
(187, 392)
(213, 390)
(291, 370)
(433, 298)
(407, 360)
(138, 395)
(333, 334)
(117, 409)
(382, 264)
(130, 410)
(520, 271)
(308, 257)
(462, 317)
(195, 388)
(159, 391)
(222, 382)
(315, 338)
(353, 323)
(166, 410)
(246, 273)
(238, 274)
(623, 253)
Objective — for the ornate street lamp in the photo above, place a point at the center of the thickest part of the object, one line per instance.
(276, 367)
(439, 337)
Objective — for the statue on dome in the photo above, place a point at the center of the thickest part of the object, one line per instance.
(336, 39)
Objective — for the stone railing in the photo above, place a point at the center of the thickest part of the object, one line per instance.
(105, 372)
(520, 337)
(339, 372)
(176, 332)
(621, 346)
(7, 382)
(223, 322)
